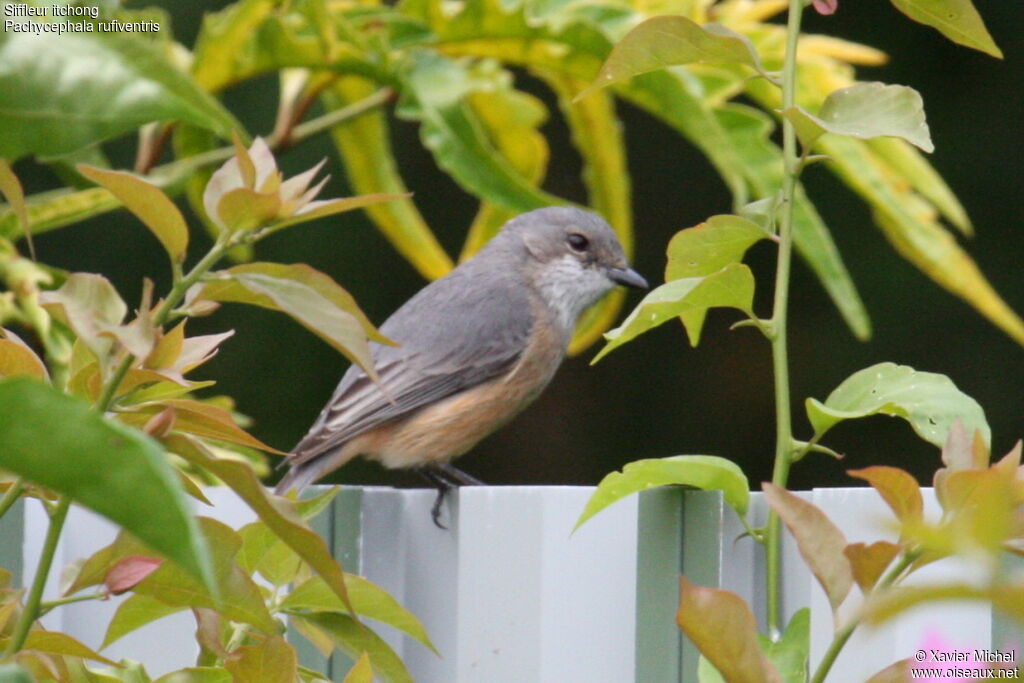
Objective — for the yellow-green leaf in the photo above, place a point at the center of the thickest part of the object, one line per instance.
(710, 246)
(958, 20)
(668, 40)
(707, 472)
(272, 661)
(361, 672)
(688, 299)
(149, 204)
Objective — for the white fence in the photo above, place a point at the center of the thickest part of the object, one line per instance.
(508, 595)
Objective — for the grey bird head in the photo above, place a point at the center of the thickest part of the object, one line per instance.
(573, 258)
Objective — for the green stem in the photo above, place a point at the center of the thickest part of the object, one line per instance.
(48, 605)
(162, 313)
(171, 177)
(780, 352)
(35, 595)
(843, 635)
(12, 496)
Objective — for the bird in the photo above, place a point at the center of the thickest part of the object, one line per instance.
(472, 349)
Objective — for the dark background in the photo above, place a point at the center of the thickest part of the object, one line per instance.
(657, 396)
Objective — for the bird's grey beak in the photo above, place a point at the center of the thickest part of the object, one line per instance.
(628, 277)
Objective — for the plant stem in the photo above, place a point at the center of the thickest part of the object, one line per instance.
(11, 497)
(48, 605)
(161, 315)
(171, 177)
(35, 595)
(780, 352)
(843, 634)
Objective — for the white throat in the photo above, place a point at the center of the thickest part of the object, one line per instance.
(569, 288)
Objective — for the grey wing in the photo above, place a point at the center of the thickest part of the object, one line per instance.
(452, 336)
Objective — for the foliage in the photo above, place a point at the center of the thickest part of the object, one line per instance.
(110, 421)
(822, 111)
(449, 69)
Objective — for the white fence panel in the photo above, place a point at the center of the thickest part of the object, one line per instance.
(509, 595)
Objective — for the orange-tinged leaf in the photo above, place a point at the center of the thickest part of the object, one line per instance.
(201, 419)
(16, 358)
(56, 643)
(898, 489)
(330, 207)
(272, 661)
(167, 348)
(869, 561)
(722, 627)
(149, 204)
(820, 542)
(897, 672)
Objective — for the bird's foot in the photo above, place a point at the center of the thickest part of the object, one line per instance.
(445, 477)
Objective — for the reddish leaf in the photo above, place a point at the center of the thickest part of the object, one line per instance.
(898, 672)
(127, 573)
(898, 489)
(821, 543)
(722, 627)
(869, 561)
(826, 7)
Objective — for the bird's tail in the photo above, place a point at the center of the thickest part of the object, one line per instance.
(298, 478)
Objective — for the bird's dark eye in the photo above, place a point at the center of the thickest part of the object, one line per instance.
(577, 241)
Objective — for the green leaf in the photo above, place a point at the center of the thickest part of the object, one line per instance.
(197, 674)
(368, 599)
(370, 167)
(864, 111)
(928, 401)
(912, 230)
(668, 40)
(272, 661)
(12, 191)
(239, 597)
(56, 643)
(149, 204)
(57, 96)
(274, 512)
(12, 673)
(711, 246)
(134, 613)
(311, 298)
(722, 627)
(689, 299)
(911, 165)
(361, 672)
(819, 541)
(789, 654)
(958, 20)
(57, 209)
(61, 443)
(355, 639)
(706, 472)
(750, 132)
(435, 94)
(263, 552)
